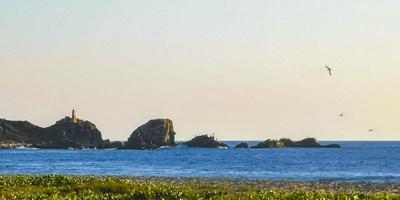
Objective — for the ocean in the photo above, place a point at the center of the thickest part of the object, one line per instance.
(355, 161)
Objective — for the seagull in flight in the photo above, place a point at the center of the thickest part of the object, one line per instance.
(329, 70)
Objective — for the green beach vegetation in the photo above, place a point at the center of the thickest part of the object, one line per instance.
(83, 187)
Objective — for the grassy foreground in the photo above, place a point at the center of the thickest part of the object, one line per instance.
(77, 187)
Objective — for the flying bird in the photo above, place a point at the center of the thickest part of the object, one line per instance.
(370, 130)
(329, 70)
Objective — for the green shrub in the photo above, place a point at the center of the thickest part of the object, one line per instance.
(78, 187)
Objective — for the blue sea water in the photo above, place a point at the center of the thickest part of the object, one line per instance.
(355, 161)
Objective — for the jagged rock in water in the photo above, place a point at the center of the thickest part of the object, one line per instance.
(285, 142)
(205, 141)
(332, 146)
(307, 142)
(154, 134)
(312, 142)
(107, 144)
(267, 144)
(242, 145)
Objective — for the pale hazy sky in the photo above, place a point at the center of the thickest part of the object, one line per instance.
(239, 69)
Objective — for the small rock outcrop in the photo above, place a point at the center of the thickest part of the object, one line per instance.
(332, 146)
(107, 144)
(242, 145)
(285, 142)
(205, 141)
(307, 142)
(154, 134)
(266, 144)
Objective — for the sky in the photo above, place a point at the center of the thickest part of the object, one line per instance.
(242, 70)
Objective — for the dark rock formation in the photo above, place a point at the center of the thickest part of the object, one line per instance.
(66, 134)
(286, 142)
(242, 145)
(154, 134)
(107, 144)
(331, 146)
(205, 141)
(63, 134)
(12, 132)
(307, 142)
(266, 144)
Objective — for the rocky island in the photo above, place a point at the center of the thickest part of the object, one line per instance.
(242, 145)
(152, 135)
(205, 141)
(285, 142)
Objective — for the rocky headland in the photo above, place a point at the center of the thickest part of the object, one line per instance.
(18, 133)
(63, 134)
(71, 132)
(66, 134)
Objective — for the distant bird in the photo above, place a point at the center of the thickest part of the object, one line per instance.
(341, 114)
(370, 130)
(329, 70)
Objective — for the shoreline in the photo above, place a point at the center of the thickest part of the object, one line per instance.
(123, 188)
(241, 184)
(188, 179)
(268, 184)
